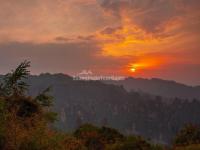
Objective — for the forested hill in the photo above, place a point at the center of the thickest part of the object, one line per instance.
(95, 102)
(160, 87)
(154, 86)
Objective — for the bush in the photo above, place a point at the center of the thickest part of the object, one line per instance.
(110, 136)
(191, 147)
(190, 134)
(90, 137)
(133, 143)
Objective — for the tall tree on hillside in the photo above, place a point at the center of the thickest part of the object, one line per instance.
(23, 119)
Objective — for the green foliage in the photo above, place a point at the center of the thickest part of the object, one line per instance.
(44, 99)
(2, 108)
(110, 136)
(95, 138)
(30, 145)
(13, 83)
(90, 137)
(190, 147)
(190, 134)
(2, 122)
(25, 107)
(23, 120)
(72, 143)
(51, 116)
(84, 129)
(133, 143)
(106, 134)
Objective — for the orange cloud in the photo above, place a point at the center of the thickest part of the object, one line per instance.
(161, 29)
(130, 40)
(144, 35)
(146, 62)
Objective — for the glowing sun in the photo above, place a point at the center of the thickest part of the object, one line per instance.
(133, 69)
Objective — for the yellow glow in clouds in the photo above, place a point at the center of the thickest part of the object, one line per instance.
(145, 63)
(132, 69)
(137, 66)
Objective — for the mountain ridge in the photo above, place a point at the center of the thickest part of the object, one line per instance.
(131, 112)
(155, 86)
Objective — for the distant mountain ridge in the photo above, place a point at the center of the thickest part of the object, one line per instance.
(165, 88)
(99, 103)
(154, 86)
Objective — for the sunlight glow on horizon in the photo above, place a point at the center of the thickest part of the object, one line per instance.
(124, 37)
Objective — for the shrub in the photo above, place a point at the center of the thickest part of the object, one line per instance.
(190, 134)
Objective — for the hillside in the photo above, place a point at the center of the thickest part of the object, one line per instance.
(80, 102)
(169, 89)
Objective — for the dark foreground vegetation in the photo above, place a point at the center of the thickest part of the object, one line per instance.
(26, 124)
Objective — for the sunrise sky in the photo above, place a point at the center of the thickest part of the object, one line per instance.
(139, 38)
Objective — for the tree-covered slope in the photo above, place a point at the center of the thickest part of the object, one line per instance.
(80, 102)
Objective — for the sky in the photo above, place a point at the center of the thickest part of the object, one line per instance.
(138, 38)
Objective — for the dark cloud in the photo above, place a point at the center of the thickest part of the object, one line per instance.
(50, 57)
(57, 57)
(62, 39)
(110, 30)
(86, 38)
(150, 15)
